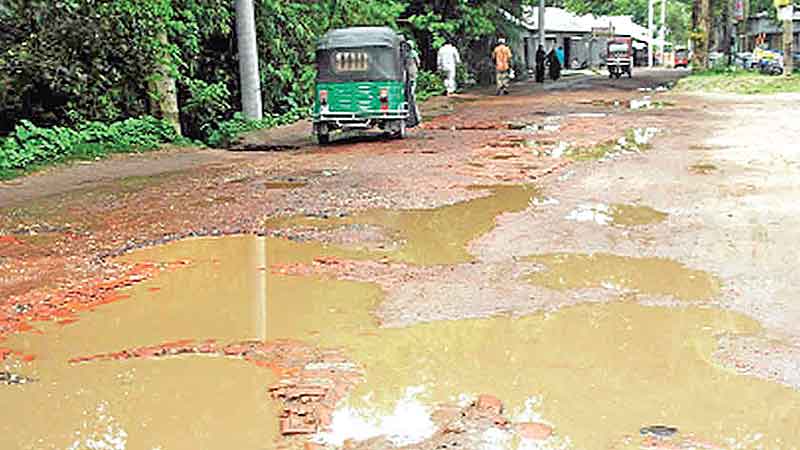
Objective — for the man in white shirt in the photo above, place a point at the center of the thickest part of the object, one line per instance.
(448, 59)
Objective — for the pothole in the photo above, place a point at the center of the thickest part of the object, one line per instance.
(278, 185)
(431, 236)
(646, 276)
(618, 214)
(639, 365)
(703, 168)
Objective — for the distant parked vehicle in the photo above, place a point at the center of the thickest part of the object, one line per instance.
(620, 57)
(744, 60)
(769, 62)
(681, 58)
(772, 67)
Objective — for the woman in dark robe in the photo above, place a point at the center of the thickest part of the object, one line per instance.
(540, 62)
(555, 65)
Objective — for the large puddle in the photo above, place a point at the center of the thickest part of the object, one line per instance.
(597, 373)
(649, 276)
(431, 236)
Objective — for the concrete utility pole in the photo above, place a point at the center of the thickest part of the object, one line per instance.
(542, 37)
(248, 60)
(650, 33)
(662, 35)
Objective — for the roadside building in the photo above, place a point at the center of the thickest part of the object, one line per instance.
(583, 37)
(762, 28)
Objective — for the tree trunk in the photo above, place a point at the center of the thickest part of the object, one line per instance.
(701, 24)
(248, 60)
(164, 103)
(788, 50)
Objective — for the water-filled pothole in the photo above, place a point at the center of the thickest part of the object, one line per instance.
(597, 373)
(431, 236)
(619, 214)
(648, 276)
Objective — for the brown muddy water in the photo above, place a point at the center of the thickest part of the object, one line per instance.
(431, 236)
(596, 373)
(703, 168)
(647, 276)
(632, 215)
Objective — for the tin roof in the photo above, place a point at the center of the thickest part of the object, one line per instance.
(561, 20)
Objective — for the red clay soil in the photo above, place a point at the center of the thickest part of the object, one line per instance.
(56, 250)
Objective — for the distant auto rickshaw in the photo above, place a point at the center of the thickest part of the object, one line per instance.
(620, 57)
(681, 58)
(362, 83)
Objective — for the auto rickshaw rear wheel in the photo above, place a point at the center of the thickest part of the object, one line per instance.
(401, 130)
(323, 135)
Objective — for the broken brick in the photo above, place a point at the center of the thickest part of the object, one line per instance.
(534, 431)
(489, 404)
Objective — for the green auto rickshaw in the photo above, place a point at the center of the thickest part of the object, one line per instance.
(362, 83)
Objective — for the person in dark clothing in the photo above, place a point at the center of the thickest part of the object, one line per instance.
(555, 65)
(540, 63)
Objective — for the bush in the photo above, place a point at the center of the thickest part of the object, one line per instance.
(223, 133)
(30, 145)
(429, 84)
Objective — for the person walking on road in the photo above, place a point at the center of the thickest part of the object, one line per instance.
(540, 64)
(447, 60)
(502, 61)
(412, 70)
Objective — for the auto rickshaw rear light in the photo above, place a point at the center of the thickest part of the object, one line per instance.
(384, 99)
(323, 97)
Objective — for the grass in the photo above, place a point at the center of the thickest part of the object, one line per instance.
(738, 82)
(78, 156)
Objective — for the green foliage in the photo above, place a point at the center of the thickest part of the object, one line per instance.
(222, 134)
(30, 145)
(68, 66)
(429, 84)
(731, 80)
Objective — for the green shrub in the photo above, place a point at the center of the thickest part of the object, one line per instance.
(30, 145)
(429, 84)
(222, 134)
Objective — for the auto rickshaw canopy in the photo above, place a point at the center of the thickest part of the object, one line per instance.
(355, 37)
(360, 54)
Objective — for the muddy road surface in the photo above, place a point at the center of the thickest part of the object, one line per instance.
(592, 265)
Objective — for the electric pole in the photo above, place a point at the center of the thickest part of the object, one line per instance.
(663, 32)
(542, 37)
(650, 33)
(248, 60)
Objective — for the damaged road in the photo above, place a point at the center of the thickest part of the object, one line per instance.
(553, 269)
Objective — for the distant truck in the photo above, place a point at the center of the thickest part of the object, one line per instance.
(620, 57)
